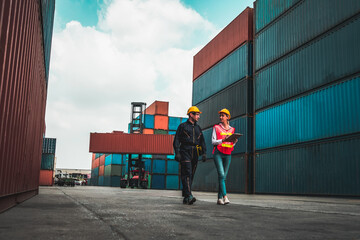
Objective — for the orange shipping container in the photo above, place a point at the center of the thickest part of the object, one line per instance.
(46, 178)
(161, 122)
(101, 170)
(95, 163)
(93, 156)
(158, 108)
(148, 131)
(102, 160)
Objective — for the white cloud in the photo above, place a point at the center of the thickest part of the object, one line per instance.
(142, 50)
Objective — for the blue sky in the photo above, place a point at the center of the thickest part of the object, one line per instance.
(108, 53)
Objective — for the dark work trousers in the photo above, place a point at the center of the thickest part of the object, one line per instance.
(188, 168)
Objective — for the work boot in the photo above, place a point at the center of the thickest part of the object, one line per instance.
(191, 200)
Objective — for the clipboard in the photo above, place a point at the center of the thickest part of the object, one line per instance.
(233, 137)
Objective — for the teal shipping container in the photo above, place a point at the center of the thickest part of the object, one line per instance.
(112, 181)
(322, 168)
(49, 145)
(183, 120)
(158, 181)
(300, 25)
(158, 166)
(266, 11)
(334, 56)
(149, 121)
(234, 67)
(174, 122)
(172, 132)
(101, 181)
(95, 172)
(172, 167)
(47, 161)
(113, 159)
(329, 112)
(172, 182)
(94, 181)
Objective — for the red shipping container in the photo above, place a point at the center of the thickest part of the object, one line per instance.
(93, 156)
(158, 108)
(95, 163)
(101, 170)
(240, 30)
(131, 143)
(46, 178)
(102, 160)
(161, 122)
(148, 131)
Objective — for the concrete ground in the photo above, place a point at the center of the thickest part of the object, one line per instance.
(114, 213)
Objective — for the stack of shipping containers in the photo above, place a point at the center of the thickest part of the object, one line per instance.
(47, 162)
(223, 79)
(307, 101)
(25, 43)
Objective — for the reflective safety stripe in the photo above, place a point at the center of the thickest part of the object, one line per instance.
(225, 133)
(227, 145)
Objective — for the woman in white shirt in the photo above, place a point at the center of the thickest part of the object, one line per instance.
(222, 152)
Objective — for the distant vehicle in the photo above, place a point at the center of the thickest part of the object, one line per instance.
(78, 181)
(66, 182)
(84, 182)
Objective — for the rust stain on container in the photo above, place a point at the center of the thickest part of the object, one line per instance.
(131, 143)
(158, 108)
(240, 30)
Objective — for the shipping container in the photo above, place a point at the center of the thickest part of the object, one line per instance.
(47, 161)
(206, 177)
(172, 167)
(300, 25)
(131, 143)
(236, 66)
(101, 170)
(46, 178)
(171, 132)
(242, 125)
(236, 98)
(158, 108)
(174, 123)
(172, 182)
(95, 163)
(95, 172)
(101, 181)
(158, 181)
(148, 121)
(158, 131)
(114, 159)
(112, 181)
(113, 170)
(161, 122)
(322, 168)
(148, 131)
(158, 166)
(102, 160)
(49, 145)
(93, 157)
(328, 112)
(266, 11)
(334, 56)
(239, 31)
(22, 99)
(95, 181)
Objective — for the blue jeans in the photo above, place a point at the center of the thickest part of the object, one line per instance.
(222, 163)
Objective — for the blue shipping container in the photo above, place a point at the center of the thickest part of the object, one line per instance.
(297, 27)
(334, 56)
(158, 181)
(328, 168)
(49, 145)
(267, 11)
(183, 120)
(172, 167)
(158, 166)
(329, 112)
(47, 161)
(147, 165)
(231, 69)
(172, 182)
(95, 171)
(174, 122)
(101, 181)
(149, 121)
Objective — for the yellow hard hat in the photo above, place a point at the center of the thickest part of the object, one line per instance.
(227, 112)
(193, 109)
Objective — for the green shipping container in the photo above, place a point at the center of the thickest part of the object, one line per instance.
(113, 170)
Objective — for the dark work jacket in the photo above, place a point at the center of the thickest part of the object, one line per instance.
(187, 136)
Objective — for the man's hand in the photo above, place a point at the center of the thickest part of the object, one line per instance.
(178, 157)
(203, 158)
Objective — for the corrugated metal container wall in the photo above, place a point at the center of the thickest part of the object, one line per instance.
(240, 30)
(242, 125)
(46, 178)
(47, 161)
(174, 123)
(267, 11)
(333, 56)
(48, 11)
(158, 108)
(234, 67)
(206, 178)
(131, 143)
(22, 100)
(329, 112)
(297, 27)
(49, 145)
(161, 122)
(172, 182)
(329, 168)
(149, 121)
(236, 98)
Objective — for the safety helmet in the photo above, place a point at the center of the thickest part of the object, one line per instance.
(227, 112)
(193, 109)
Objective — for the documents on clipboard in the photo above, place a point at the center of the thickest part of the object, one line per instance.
(234, 136)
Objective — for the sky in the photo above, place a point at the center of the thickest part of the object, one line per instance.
(108, 53)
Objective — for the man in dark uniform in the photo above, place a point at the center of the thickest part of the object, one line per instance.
(189, 144)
